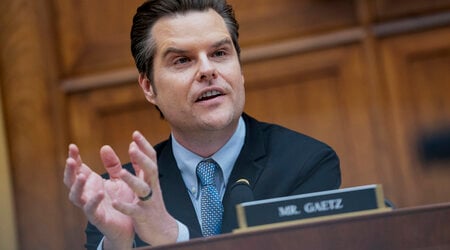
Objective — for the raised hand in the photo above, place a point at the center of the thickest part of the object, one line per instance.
(151, 220)
(95, 196)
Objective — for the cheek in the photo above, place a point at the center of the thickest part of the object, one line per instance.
(169, 81)
(237, 81)
(240, 88)
(232, 73)
(173, 88)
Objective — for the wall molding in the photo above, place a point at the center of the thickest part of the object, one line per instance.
(411, 24)
(251, 54)
(264, 52)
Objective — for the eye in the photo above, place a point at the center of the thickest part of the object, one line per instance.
(181, 60)
(219, 53)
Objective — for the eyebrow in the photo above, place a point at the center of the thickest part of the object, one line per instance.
(173, 50)
(225, 41)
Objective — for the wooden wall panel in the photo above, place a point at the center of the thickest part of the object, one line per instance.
(389, 9)
(108, 117)
(325, 95)
(417, 76)
(94, 35)
(266, 21)
(92, 41)
(31, 102)
(8, 228)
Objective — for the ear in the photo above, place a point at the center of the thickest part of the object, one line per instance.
(147, 88)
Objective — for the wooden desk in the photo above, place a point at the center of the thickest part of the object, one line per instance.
(423, 228)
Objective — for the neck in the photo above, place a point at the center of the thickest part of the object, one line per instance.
(205, 143)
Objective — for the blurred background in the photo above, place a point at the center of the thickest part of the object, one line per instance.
(369, 77)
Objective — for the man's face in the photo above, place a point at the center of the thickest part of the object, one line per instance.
(198, 82)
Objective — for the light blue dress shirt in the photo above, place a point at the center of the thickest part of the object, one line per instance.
(187, 163)
(225, 157)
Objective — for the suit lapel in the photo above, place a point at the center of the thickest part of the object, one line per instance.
(249, 166)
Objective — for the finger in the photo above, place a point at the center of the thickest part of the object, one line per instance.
(80, 167)
(76, 191)
(74, 153)
(70, 172)
(110, 161)
(139, 186)
(125, 208)
(137, 169)
(91, 207)
(73, 164)
(144, 145)
(146, 164)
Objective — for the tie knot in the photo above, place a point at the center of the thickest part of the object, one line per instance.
(206, 170)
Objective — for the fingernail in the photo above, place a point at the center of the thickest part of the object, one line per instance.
(137, 134)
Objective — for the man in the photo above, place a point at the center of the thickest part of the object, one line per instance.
(187, 55)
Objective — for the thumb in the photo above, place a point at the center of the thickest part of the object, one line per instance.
(110, 161)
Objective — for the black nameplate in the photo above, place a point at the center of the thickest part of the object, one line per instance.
(312, 205)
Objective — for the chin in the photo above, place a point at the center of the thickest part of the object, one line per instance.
(219, 120)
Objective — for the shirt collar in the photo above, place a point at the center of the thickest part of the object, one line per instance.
(226, 157)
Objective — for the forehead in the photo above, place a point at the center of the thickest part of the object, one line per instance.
(192, 27)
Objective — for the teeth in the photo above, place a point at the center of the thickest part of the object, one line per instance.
(209, 94)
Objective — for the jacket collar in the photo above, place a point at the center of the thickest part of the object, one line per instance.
(249, 165)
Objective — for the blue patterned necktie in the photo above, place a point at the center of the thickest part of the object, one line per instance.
(211, 204)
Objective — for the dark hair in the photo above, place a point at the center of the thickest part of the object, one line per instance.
(142, 43)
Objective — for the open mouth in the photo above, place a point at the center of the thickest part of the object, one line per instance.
(209, 95)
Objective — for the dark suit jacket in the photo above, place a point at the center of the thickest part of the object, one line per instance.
(275, 160)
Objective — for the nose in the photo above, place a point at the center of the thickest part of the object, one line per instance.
(206, 69)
